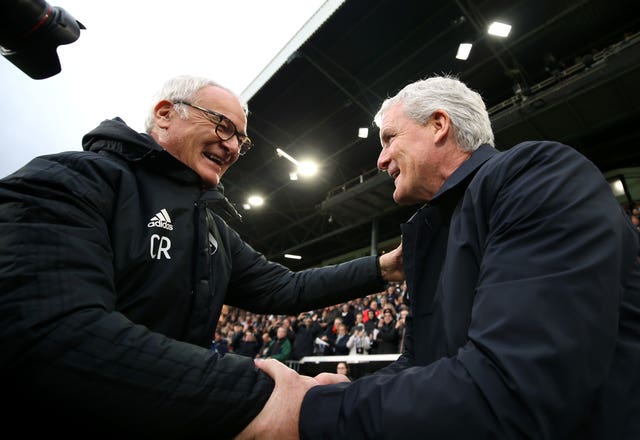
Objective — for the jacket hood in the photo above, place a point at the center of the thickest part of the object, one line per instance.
(117, 137)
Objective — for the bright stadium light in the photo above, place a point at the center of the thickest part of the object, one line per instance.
(463, 51)
(499, 29)
(255, 200)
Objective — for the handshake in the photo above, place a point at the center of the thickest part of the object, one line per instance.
(280, 416)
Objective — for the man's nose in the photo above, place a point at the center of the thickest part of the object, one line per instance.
(232, 145)
(383, 159)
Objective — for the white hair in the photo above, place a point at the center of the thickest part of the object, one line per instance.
(468, 113)
(185, 88)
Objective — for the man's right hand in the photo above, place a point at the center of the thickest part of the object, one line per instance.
(279, 417)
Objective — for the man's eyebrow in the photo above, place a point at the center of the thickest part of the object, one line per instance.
(385, 134)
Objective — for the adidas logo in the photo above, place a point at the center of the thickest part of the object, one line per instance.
(161, 220)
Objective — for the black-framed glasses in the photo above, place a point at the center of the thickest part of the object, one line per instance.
(225, 128)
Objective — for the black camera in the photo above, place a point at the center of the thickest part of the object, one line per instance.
(30, 33)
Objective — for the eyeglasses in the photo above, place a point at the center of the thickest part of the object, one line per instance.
(225, 128)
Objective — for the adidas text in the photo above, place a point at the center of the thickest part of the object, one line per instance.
(161, 220)
(161, 224)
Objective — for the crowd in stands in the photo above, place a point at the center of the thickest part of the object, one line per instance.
(374, 324)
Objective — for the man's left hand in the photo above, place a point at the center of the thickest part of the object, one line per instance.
(331, 378)
(391, 268)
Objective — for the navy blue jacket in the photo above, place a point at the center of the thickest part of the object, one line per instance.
(525, 292)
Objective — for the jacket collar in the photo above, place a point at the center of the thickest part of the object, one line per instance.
(218, 203)
(460, 176)
(482, 154)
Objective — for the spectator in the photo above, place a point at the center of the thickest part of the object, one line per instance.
(330, 332)
(389, 306)
(343, 368)
(280, 348)
(401, 326)
(236, 336)
(356, 306)
(266, 345)
(286, 324)
(249, 346)
(391, 293)
(387, 339)
(400, 302)
(257, 327)
(359, 342)
(358, 321)
(373, 306)
(339, 346)
(332, 312)
(371, 324)
(328, 337)
(348, 318)
(365, 305)
(273, 324)
(383, 302)
(224, 313)
(219, 344)
(305, 336)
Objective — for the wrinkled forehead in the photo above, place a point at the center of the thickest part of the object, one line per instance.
(225, 102)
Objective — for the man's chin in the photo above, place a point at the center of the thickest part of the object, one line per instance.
(403, 200)
(399, 199)
(210, 179)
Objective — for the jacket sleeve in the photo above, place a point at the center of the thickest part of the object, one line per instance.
(262, 286)
(351, 342)
(66, 354)
(543, 322)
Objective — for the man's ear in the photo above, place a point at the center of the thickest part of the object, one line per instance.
(162, 113)
(441, 124)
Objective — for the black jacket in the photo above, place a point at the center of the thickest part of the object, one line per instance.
(525, 296)
(388, 339)
(113, 275)
(303, 344)
(248, 349)
(339, 346)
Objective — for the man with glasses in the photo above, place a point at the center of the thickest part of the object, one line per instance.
(116, 262)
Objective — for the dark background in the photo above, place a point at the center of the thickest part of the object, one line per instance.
(569, 71)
